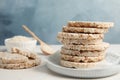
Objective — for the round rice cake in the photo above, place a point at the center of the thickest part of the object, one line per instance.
(81, 59)
(8, 58)
(88, 24)
(79, 41)
(24, 53)
(70, 64)
(30, 63)
(84, 30)
(82, 53)
(97, 47)
(65, 35)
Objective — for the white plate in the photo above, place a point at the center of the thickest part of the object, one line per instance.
(103, 69)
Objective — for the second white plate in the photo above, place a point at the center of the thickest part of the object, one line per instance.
(103, 69)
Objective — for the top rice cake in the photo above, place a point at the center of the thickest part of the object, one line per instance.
(90, 24)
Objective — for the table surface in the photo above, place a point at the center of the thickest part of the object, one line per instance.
(43, 73)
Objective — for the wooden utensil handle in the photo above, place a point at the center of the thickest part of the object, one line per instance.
(31, 33)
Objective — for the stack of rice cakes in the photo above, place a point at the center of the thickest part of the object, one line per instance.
(18, 59)
(83, 44)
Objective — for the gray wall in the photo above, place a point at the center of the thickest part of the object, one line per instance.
(46, 17)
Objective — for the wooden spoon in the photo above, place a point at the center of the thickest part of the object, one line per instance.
(45, 48)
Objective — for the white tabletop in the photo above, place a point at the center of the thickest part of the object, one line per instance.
(43, 73)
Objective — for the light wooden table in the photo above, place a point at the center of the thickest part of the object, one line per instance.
(43, 73)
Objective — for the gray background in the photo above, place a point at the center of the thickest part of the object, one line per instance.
(46, 17)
